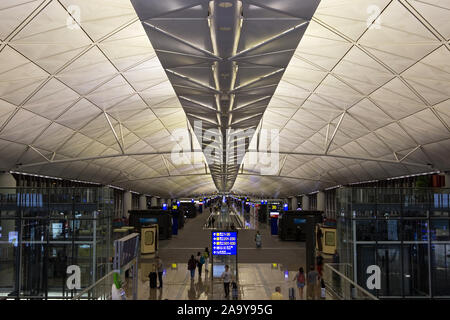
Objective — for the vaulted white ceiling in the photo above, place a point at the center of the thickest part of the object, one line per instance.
(84, 96)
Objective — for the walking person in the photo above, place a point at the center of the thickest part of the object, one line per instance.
(300, 277)
(258, 239)
(312, 279)
(192, 264)
(277, 294)
(159, 269)
(200, 261)
(319, 238)
(206, 256)
(226, 277)
(319, 263)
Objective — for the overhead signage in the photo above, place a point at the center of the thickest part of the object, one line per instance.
(224, 243)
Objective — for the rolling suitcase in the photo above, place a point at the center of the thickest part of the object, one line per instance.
(234, 291)
(291, 294)
(323, 292)
(152, 277)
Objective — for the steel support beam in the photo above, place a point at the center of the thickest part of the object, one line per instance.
(210, 54)
(201, 151)
(334, 133)
(276, 37)
(114, 132)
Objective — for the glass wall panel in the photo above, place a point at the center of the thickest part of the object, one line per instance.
(365, 256)
(441, 204)
(388, 230)
(389, 261)
(366, 230)
(394, 229)
(440, 229)
(415, 269)
(9, 253)
(415, 230)
(43, 230)
(416, 202)
(440, 269)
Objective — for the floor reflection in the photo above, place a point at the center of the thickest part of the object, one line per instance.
(256, 282)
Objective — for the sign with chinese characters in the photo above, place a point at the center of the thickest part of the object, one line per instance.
(224, 243)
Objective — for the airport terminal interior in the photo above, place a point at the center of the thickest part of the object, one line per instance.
(224, 150)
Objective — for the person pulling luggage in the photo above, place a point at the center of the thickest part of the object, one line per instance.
(192, 264)
(159, 269)
(258, 239)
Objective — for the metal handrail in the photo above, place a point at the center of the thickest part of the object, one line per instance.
(86, 290)
(327, 265)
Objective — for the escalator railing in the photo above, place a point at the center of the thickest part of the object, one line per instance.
(340, 286)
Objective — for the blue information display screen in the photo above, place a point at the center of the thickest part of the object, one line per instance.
(224, 243)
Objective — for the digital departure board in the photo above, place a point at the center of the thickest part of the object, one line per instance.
(224, 243)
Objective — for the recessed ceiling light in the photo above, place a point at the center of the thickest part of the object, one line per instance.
(225, 4)
(225, 28)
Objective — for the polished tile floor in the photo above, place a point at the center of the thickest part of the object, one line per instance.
(260, 269)
(256, 282)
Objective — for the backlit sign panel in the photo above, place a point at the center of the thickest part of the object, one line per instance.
(224, 243)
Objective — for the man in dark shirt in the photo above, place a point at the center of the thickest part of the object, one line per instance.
(319, 263)
(312, 279)
(319, 238)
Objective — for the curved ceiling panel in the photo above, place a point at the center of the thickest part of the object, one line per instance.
(358, 91)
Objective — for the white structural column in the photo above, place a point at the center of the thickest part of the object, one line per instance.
(142, 202)
(293, 203)
(154, 202)
(126, 203)
(169, 203)
(447, 179)
(321, 201)
(305, 202)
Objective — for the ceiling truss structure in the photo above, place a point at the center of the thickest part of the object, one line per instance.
(224, 60)
(363, 95)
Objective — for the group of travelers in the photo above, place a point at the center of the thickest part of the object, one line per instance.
(198, 262)
(313, 280)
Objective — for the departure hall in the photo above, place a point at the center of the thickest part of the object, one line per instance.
(224, 150)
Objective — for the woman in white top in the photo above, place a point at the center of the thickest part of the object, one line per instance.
(226, 276)
(206, 256)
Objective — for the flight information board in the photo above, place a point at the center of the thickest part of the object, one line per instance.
(224, 243)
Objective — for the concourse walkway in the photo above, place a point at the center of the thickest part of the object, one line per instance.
(194, 237)
(257, 281)
(260, 269)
